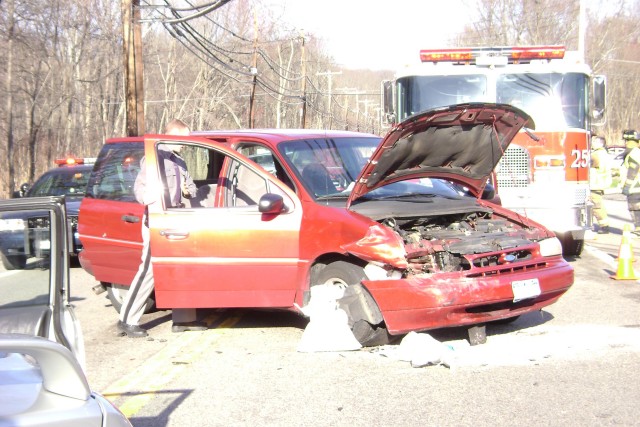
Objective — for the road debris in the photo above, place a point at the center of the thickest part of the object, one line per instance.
(328, 328)
(420, 349)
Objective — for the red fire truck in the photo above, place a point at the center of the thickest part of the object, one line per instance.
(544, 174)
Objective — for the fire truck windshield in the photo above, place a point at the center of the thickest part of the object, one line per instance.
(554, 100)
(420, 93)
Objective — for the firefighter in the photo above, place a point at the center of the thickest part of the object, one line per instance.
(599, 181)
(631, 187)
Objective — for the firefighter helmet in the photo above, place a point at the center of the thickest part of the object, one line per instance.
(630, 134)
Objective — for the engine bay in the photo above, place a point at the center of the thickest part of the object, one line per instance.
(446, 243)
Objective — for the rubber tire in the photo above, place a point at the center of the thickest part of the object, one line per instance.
(341, 273)
(571, 247)
(116, 294)
(13, 262)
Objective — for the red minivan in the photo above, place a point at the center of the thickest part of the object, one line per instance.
(399, 224)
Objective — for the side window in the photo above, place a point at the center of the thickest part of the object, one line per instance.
(203, 166)
(265, 158)
(25, 246)
(243, 186)
(115, 172)
(220, 180)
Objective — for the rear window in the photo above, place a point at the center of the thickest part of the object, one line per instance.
(115, 172)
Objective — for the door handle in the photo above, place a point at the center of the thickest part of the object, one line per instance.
(174, 234)
(131, 218)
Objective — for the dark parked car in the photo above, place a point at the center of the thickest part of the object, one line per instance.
(20, 235)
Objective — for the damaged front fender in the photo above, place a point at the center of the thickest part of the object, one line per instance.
(380, 245)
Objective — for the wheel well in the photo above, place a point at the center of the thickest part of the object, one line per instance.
(357, 302)
(327, 259)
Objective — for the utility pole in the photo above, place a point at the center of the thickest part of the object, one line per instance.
(582, 28)
(329, 75)
(254, 70)
(303, 118)
(133, 68)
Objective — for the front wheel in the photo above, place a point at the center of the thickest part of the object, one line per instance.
(116, 294)
(570, 246)
(343, 275)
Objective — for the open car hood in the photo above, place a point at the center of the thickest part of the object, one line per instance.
(461, 143)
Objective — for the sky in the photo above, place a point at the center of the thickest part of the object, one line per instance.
(376, 34)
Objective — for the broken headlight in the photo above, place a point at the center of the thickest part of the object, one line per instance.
(550, 247)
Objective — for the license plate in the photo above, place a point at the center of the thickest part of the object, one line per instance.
(524, 289)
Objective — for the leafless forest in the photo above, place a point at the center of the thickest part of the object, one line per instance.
(62, 79)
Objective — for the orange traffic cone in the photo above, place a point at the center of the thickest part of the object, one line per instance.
(625, 257)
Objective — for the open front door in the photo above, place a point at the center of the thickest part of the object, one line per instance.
(229, 246)
(34, 298)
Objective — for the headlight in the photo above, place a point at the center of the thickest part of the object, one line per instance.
(550, 247)
(11, 224)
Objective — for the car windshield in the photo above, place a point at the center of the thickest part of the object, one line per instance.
(61, 182)
(328, 167)
(417, 189)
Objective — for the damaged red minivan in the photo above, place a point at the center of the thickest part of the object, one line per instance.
(399, 224)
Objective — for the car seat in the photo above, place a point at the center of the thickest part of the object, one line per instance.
(317, 178)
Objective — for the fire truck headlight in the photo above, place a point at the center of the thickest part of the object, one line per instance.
(11, 224)
(550, 247)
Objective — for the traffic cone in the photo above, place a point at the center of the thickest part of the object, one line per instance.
(625, 257)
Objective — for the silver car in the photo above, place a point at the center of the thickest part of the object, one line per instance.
(42, 382)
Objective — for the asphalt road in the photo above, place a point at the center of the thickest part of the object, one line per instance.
(576, 363)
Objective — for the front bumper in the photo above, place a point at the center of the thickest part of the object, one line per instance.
(453, 299)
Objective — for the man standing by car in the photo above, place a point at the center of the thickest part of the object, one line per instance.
(631, 187)
(600, 180)
(179, 185)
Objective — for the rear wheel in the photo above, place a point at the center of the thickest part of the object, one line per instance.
(13, 262)
(116, 294)
(344, 274)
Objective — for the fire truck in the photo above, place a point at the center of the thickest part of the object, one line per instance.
(544, 174)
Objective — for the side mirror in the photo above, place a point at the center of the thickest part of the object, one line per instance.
(271, 204)
(599, 99)
(388, 113)
(22, 191)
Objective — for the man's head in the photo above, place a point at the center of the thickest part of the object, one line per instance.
(176, 127)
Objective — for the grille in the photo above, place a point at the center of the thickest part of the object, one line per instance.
(513, 170)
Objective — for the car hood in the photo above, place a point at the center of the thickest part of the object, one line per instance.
(461, 143)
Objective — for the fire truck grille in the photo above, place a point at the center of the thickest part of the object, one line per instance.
(513, 170)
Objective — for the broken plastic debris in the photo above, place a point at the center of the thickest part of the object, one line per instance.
(421, 349)
(328, 328)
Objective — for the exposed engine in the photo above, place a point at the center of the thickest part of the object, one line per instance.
(460, 241)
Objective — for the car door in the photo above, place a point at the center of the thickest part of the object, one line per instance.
(34, 300)
(227, 251)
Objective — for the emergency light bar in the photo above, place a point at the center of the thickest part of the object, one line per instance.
(70, 161)
(493, 55)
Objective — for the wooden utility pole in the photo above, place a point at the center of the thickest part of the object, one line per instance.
(303, 113)
(133, 68)
(254, 71)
